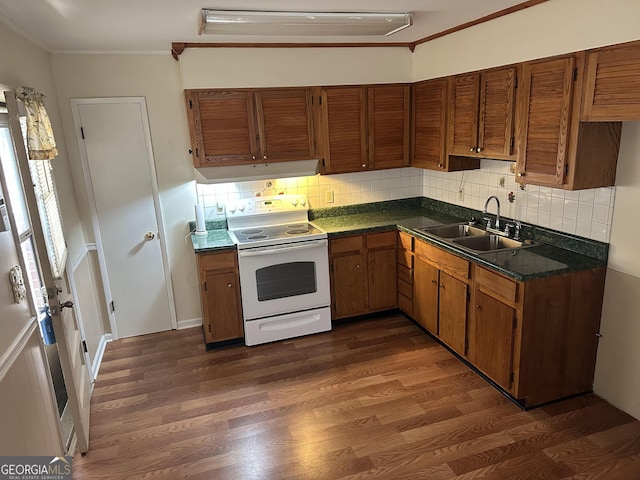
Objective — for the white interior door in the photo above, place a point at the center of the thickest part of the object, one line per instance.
(119, 171)
(67, 331)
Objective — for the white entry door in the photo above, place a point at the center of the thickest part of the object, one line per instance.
(115, 146)
(45, 222)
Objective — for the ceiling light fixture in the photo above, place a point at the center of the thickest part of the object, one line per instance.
(227, 22)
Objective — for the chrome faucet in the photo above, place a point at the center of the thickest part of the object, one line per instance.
(497, 226)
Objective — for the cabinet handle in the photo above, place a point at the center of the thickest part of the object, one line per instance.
(478, 149)
(471, 149)
(434, 282)
(364, 165)
(264, 157)
(229, 286)
(442, 286)
(478, 307)
(521, 174)
(253, 157)
(440, 165)
(358, 266)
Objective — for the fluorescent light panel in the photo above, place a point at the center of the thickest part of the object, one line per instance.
(227, 22)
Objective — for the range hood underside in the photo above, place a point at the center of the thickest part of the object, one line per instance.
(258, 171)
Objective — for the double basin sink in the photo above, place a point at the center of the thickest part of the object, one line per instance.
(474, 238)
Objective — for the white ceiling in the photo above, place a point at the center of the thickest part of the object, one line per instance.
(151, 25)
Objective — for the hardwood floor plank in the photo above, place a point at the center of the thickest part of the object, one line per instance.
(373, 399)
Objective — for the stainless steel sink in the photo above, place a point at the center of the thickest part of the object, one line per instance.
(455, 230)
(488, 243)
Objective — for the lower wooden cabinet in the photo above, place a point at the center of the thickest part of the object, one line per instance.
(363, 274)
(440, 294)
(405, 272)
(220, 297)
(536, 339)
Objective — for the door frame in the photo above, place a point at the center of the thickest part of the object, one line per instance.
(84, 162)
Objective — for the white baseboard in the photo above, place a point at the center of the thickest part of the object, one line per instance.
(191, 323)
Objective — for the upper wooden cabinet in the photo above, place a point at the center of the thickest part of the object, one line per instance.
(544, 112)
(430, 124)
(554, 148)
(430, 114)
(612, 82)
(232, 127)
(481, 114)
(365, 128)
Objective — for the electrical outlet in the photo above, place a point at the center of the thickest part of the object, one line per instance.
(501, 181)
(329, 196)
(461, 194)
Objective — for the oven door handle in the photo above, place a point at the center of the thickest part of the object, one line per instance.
(281, 248)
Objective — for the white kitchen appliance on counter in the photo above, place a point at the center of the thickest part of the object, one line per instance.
(284, 268)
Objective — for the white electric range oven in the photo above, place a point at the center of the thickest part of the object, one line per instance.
(284, 268)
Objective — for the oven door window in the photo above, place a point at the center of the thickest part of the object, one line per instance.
(286, 280)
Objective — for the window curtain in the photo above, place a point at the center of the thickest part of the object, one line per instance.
(41, 144)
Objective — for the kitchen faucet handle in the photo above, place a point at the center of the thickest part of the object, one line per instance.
(487, 221)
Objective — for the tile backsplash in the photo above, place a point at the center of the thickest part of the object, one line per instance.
(587, 213)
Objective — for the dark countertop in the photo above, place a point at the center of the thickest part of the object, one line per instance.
(540, 260)
(555, 253)
(215, 240)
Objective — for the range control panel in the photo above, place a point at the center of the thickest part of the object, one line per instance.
(267, 205)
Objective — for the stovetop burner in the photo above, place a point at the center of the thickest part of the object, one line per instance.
(297, 231)
(257, 237)
(251, 231)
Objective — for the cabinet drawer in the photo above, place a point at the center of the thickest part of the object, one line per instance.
(497, 286)
(218, 262)
(346, 244)
(405, 289)
(381, 240)
(406, 241)
(405, 274)
(453, 265)
(405, 258)
(405, 304)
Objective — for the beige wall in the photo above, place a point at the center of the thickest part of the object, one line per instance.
(551, 28)
(276, 67)
(555, 27)
(157, 78)
(618, 367)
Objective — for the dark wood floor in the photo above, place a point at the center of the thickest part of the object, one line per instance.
(377, 399)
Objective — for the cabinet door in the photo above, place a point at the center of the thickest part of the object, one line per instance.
(349, 286)
(425, 295)
(452, 328)
(497, 104)
(221, 305)
(544, 109)
(344, 125)
(285, 124)
(491, 338)
(463, 114)
(382, 279)
(388, 126)
(223, 127)
(430, 124)
(611, 86)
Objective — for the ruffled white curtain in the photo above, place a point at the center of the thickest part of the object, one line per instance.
(41, 144)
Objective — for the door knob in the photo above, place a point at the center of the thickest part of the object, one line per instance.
(149, 236)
